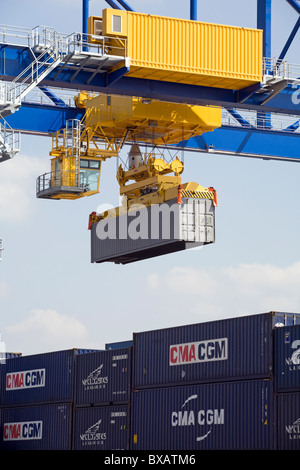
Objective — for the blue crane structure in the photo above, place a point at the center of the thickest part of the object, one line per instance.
(259, 121)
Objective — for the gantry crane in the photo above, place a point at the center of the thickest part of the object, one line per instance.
(153, 82)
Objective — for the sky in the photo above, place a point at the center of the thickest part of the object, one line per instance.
(53, 298)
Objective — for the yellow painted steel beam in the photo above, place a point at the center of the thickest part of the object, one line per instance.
(183, 51)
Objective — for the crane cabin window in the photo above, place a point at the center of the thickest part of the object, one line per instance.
(90, 173)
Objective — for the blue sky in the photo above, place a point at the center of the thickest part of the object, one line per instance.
(52, 297)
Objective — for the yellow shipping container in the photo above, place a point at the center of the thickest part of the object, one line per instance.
(186, 51)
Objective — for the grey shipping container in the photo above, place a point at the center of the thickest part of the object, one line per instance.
(288, 421)
(287, 358)
(153, 231)
(234, 348)
(103, 377)
(43, 427)
(39, 378)
(222, 416)
(101, 428)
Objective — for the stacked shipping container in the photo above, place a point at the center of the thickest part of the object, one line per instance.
(206, 386)
(287, 386)
(36, 400)
(227, 384)
(102, 398)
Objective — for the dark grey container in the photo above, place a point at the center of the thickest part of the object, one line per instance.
(287, 358)
(119, 345)
(41, 427)
(103, 377)
(39, 378)
(153, 231)
(288, 421)
(222, 416)
(234, 348)
(101, 428)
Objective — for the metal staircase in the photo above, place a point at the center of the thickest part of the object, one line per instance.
(9, 142)
(50, 50)
(46, 54)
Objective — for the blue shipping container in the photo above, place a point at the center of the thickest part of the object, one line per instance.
(220, 416)
(103, 377)
(287, 358)
(43, 427)
(40, 378)
(288, 421)
(119, 345)
(101, 428)
(234, 348)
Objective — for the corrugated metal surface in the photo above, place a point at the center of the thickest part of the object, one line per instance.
(103, 377)
(287, 358)
(233, 415)
(119, 345)
(8, 355)
(44, 427)
(177, 50)
(219, 350)
(39, 378)
(182, 226)
(101, 428)
(288, 421)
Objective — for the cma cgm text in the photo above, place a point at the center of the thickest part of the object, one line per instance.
(199, 351)
(25, 379)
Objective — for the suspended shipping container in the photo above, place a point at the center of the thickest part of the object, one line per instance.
(182, 51)
(101, 428)
(43, 427)
(222, 416)
(154, 231)
(103, 377)
(288, 421)
(287, 358)
(234, 348)
(39, 378)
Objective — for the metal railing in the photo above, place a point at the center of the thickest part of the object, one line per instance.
(38, 96)
(62, 180)
(50, 49)
(46, 43)
(281, 69)
(9, 140)
(261, 120)
(67, 44)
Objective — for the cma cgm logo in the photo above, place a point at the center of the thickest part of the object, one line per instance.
(22, 431)
(199, 351)
(203, 420)
(25, 379)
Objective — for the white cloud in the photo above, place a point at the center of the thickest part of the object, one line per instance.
(189, 294)
(17, 186)
(44, 331)
(4, 290)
